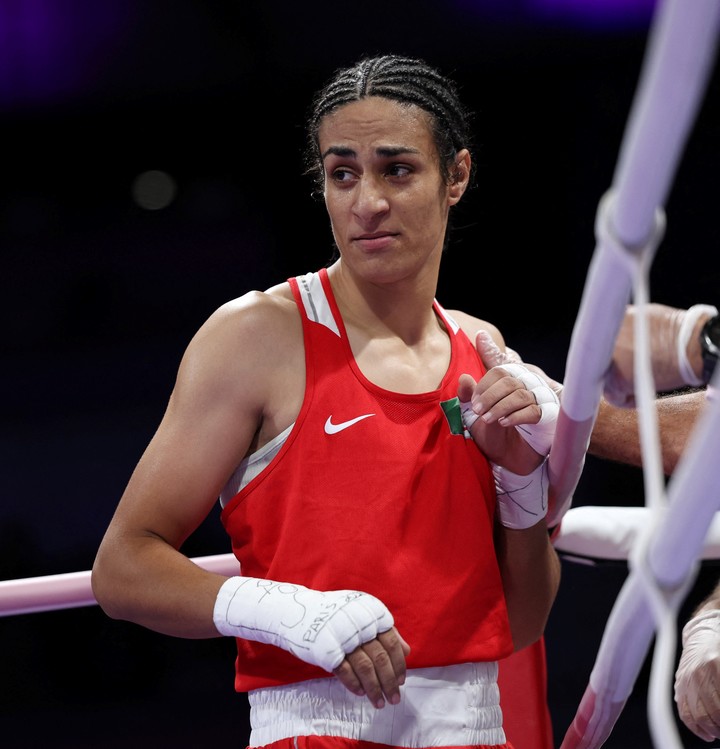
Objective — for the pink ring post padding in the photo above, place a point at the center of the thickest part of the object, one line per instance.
(72, 589)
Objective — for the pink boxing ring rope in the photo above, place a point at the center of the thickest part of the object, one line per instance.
(72, 589)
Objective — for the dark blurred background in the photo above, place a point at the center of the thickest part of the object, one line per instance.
(151, 170)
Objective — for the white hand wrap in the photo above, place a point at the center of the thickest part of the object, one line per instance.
(522, 501)
(539, 436)
(697, 678)
(319, 628)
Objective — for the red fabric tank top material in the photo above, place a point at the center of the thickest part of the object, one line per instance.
(375, 491)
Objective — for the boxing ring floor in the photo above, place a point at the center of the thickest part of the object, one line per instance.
(64, 684)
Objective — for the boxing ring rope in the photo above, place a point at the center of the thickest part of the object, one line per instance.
(665, 553)
(69, 590)
(629, 226)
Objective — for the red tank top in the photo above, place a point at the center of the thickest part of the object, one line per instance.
(376, 491)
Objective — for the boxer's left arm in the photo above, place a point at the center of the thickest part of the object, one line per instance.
(510, 414)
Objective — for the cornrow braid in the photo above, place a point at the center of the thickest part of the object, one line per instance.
(403, 79)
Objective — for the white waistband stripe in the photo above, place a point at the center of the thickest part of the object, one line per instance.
(443, 706)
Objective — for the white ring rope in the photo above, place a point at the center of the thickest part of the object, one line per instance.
(663, 604)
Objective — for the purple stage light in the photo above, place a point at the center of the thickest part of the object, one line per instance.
(581, 14)
(53, 50)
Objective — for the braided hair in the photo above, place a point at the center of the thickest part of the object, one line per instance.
(405, 80)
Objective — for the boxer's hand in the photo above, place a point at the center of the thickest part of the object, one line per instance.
(346, 632)
(510, 394)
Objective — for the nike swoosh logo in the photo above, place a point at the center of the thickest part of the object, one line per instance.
(331, 428)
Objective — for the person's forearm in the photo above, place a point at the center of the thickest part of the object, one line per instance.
(149, 583)
(530, 569)
(615, 435)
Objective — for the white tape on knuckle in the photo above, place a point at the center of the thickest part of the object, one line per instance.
(355, 607)
(363, 622)
(550, 411)
(544, 394)
(357, 623)
(521, 500)
(535, 383)
(381, 615)
(515, 370)
(540, 435)
(532, 381)
(345, 633)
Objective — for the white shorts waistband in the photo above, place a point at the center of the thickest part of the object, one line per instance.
(441, 706)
